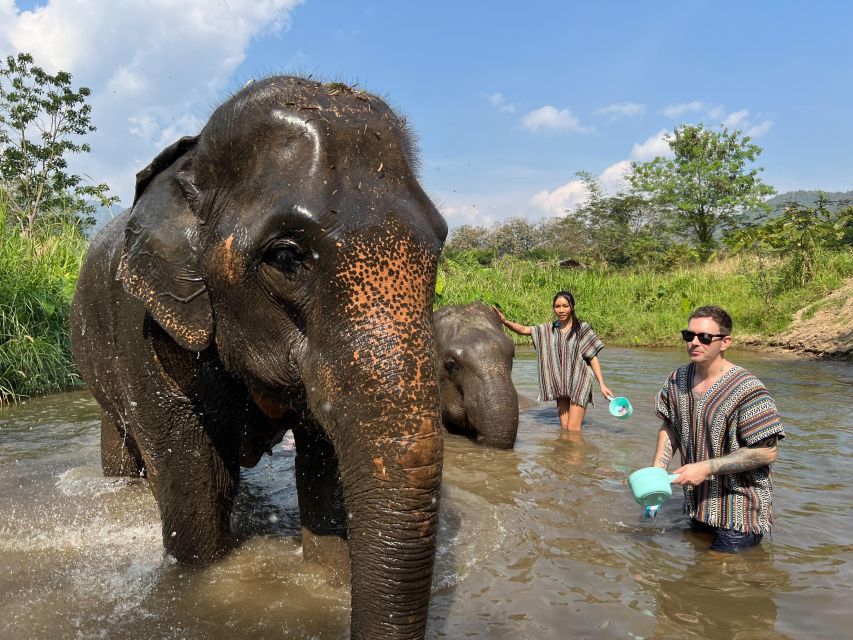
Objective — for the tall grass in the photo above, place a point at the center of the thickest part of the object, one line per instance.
(643, 308)
(37, 277)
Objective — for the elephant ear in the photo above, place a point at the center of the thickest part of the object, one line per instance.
(160, 261)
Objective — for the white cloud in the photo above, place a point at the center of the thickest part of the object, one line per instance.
(562, 199)
(155, 67)
(716, 113)
(622, 110)
(736, 120)
(615, 177)
(742, 121)
(498, 101)
(549, 117)
(760, 129)
(470, 215)
(677, 110)
(653, 147)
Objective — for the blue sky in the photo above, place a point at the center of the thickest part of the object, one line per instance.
(509, 99)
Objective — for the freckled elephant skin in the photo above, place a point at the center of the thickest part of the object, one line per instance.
(474, 365)
(277, 272)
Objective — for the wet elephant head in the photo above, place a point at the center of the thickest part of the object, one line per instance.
(474, 364)
(291, 244)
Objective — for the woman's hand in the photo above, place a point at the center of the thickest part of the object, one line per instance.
(499, 314)
(606, 392)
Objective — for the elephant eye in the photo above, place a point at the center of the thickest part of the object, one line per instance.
(286, 256)
(451, 366)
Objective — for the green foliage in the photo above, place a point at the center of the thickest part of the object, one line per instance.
(641, 307)
(798, 235)
(624, 230)
(467, 238)
(705, 188)
(37, 277)
(40, 118)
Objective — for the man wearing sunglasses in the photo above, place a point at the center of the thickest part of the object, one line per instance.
(724, 423)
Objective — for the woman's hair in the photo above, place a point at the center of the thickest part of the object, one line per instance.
(717, 314)
(568, 295)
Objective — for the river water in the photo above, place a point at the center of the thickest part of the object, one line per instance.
(543, 541)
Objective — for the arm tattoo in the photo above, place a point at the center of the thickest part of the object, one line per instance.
(745, 458)
(666, 454)
(769, 442)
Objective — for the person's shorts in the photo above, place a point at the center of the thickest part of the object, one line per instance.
(727, 540)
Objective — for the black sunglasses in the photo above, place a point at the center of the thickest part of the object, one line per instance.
(704, 338)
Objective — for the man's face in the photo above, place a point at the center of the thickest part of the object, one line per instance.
(699, 352)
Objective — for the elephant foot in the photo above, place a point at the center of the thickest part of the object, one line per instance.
(331, 551)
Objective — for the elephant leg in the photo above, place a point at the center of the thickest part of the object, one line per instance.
(321, 506)
(195, 490)
(119, 454)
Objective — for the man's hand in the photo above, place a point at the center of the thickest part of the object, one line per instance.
(692, 474)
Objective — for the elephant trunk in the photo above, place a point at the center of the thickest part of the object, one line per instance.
(492, 410)
(371, 382)
(392, 526)
(390, 469)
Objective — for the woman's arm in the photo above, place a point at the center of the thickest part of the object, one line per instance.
(513, 326)
(596, 369)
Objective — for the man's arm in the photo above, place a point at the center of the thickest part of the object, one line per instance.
(663, 453)
(744, 459)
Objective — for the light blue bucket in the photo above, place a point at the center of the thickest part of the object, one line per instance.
(651, 485)
(621, 408)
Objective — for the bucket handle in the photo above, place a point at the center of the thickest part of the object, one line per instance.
(673, 476)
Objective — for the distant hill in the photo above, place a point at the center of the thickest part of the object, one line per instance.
(808, 198)
(803, 198)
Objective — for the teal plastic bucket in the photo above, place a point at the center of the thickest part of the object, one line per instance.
(621, 407)
(651, 485)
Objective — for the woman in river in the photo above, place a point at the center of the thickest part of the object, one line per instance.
(567, 351)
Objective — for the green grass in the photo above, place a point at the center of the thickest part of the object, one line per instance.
(643, 308)
(37, 277)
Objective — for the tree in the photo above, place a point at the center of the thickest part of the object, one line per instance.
(799, 233)
(621, 228)
(467, 238)
(565, 237)
(40, 118)
(516, 236)
(705, 188)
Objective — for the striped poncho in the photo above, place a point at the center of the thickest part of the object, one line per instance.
(564, 370)
(736, 411)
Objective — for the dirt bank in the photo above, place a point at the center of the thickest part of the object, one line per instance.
(823, 329)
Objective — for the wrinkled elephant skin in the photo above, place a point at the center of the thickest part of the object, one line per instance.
(276, 272)
(474, 365)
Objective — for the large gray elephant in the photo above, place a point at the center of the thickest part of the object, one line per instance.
(474, 363)
(277, 272)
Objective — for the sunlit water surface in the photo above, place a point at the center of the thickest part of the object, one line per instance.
(543, 541)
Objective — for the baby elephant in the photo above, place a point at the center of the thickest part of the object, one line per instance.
(474, 362)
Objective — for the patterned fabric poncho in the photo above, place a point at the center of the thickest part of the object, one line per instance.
(562, 374)
(736, 411)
